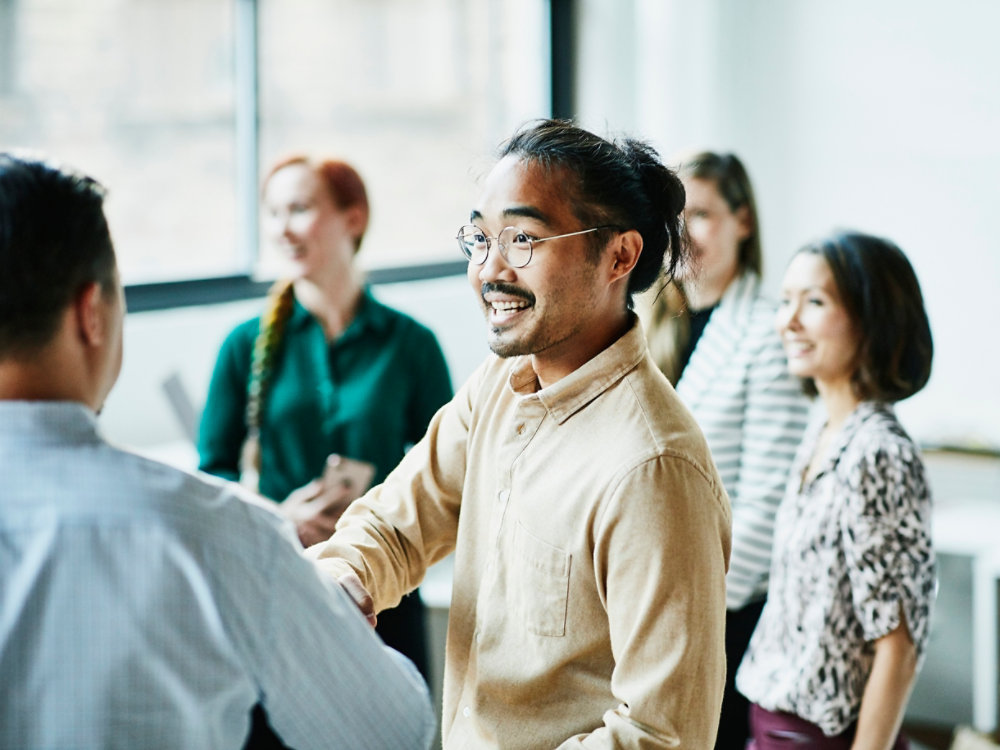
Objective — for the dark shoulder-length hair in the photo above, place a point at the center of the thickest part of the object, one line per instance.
(879, 289)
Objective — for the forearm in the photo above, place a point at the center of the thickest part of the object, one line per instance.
(395, 531)
(888, 688)
(222, 430)
(328, 681)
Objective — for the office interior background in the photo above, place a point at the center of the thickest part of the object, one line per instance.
(878, 115)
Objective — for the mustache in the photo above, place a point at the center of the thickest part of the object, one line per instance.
(509, 289)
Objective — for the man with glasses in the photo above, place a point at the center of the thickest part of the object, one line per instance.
(142, 606)
(589, 526)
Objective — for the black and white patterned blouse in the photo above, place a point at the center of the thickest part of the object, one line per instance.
(852, 547)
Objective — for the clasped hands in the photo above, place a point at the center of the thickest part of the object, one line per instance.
(316, 507)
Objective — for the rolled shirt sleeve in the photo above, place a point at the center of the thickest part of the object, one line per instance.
(887, 544)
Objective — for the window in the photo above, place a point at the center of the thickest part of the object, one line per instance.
(140, 94)
(178, 107)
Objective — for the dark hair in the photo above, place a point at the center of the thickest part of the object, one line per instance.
(880, 291)
(730, 177)
(54, 240)
(621, 183)
(342, 181)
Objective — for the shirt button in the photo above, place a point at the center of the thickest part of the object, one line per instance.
(466, 712)
(502, 496)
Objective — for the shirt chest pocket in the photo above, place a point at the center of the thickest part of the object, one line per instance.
(540, 584)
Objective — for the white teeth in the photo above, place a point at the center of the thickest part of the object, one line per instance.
(508, 306)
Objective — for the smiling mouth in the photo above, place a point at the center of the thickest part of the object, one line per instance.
(797, 348)
(504, 303)
(502, 313)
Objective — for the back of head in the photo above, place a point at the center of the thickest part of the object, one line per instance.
(879, 289)
(619, 183)
(54, 240)
(730, 177)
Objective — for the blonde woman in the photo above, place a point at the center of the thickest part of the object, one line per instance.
(712, 333)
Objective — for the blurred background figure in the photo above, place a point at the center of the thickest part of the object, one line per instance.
(327, 380)
(836, 652)
(712, 334)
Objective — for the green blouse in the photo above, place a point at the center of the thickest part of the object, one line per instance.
(368, 395)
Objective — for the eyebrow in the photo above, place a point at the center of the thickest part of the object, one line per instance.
(529, 212)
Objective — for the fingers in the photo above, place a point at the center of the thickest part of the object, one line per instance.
(303, 494)
(356, 590)
(315, 529)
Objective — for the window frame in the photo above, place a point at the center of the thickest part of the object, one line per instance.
(146, 297)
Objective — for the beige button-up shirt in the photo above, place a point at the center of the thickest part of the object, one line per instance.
(591, 537)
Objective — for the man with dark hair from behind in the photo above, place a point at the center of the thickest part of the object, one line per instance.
(141, 606)
(590, 528)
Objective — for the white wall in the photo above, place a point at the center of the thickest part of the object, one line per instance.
(880, 116)
(186, 341)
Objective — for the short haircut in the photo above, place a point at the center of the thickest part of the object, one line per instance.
(54, 240)
(730, 177)
(620, 183)
(879, 289)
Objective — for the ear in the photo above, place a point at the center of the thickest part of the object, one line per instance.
(357, 220)
(90, 320)
(742, 215)
(627, 248)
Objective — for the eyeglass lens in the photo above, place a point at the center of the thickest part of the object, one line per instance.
(514, 245)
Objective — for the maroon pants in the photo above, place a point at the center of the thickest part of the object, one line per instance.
(776, 730)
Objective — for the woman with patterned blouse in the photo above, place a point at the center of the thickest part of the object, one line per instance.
(845, 626)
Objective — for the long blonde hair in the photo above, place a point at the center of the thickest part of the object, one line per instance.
(277, 311)
(668, 318)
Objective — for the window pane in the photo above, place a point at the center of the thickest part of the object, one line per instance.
(140, 94)
(416, 94)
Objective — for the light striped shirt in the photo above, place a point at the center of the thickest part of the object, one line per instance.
(144, 607)
(753, 414)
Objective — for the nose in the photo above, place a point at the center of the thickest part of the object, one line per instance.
(787, 318)
(495, 266)
(285, 223)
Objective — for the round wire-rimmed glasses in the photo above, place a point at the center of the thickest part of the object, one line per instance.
(515, 245)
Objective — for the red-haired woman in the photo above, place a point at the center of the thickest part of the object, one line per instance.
(326, 369)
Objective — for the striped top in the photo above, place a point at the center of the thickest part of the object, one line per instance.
(753, 414)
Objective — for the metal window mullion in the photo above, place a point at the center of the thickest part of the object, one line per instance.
(246, 51)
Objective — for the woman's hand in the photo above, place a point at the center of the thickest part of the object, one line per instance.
(315, 508)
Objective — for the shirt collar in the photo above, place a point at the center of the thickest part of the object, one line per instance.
(855, 420)
(570, 394)
(371, 315)
(50, 421)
